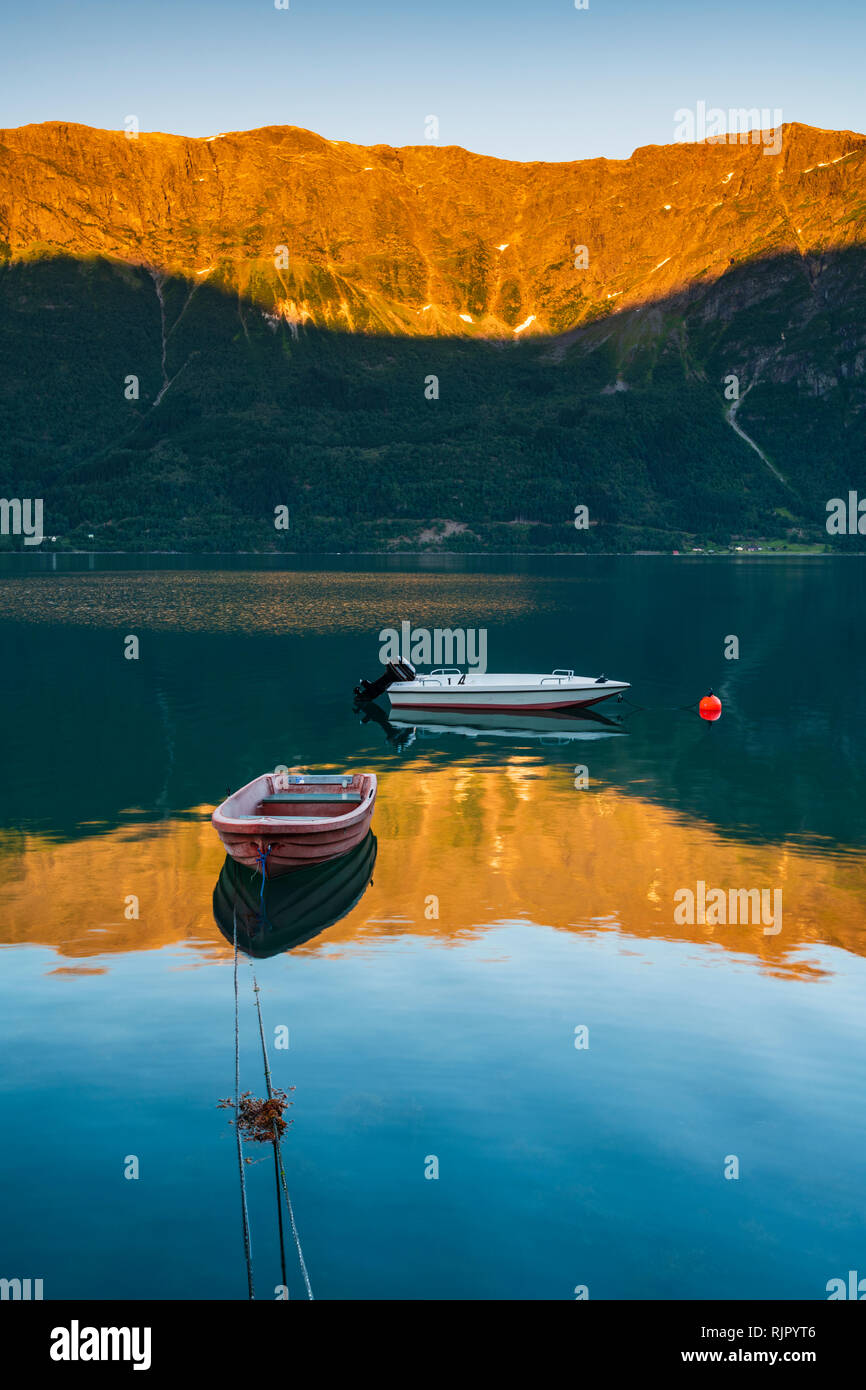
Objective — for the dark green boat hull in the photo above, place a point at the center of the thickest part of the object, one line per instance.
(296, 907)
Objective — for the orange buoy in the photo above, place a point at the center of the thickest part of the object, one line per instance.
(710, 707)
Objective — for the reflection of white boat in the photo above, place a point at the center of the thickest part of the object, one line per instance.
(461, 690)
(552, 727)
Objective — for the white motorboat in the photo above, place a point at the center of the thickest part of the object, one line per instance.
(452, 689)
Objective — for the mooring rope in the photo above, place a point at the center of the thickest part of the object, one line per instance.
(244, 1209)
(278, 1150)
(276, 1137)
(262, 861)
(280, 1220)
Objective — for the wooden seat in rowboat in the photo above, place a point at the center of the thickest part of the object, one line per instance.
(295, 797)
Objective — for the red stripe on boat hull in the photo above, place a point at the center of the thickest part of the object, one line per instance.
(504, 709)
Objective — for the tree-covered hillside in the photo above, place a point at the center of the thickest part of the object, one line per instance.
(626, 418)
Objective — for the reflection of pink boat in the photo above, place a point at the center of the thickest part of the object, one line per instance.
(284, 820)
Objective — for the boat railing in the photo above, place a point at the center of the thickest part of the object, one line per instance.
(557, 677)
(440, 671)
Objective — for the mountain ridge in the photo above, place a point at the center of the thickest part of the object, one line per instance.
(438, 240)
(431, 369)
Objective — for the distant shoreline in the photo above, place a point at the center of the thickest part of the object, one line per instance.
(809, 552)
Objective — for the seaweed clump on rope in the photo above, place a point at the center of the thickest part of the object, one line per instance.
(260, 1119)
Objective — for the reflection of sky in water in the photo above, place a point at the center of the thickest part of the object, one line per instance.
(416, 1034)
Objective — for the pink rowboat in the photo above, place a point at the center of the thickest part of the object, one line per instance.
(286, 820)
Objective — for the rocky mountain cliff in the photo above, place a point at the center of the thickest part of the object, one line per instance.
(426, 239)
(282, 301)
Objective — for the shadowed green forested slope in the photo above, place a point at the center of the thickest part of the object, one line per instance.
(626, 417)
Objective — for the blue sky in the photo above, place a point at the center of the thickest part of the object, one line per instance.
(522, 79)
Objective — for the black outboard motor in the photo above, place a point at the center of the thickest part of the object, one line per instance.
(395, 671)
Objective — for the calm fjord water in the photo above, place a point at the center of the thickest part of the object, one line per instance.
(454, 1036)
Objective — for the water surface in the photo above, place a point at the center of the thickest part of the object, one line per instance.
(508, 908)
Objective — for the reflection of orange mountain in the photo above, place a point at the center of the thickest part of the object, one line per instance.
(518, 843)
(73, 895)
(264, 601)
